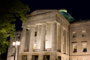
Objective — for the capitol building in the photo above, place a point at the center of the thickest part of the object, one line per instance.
(47, 35)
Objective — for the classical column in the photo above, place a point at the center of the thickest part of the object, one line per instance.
(22, 43)
(42, 46)
(67, 46)
(29, 57)
(27, 40)
(58, 37)
(53, 56)
(64, 36)
(40, 57)
(53, 35)
(22, 40)
(32, 38)
(66, 42)
(62, 39)
(38, 37)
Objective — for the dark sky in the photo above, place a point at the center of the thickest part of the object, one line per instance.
(79, 9)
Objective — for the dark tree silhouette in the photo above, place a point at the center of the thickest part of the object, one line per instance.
(10, 10)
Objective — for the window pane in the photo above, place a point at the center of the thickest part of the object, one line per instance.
(24, 57)
(46, 57)
(35, 33)
(34, 57)
(59, 57)
(74, 47)
(83, 35)
(85, 50)
(74, 35)
(84, 46)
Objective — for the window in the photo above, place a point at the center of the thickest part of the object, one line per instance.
(83, 33)
(46, 57)
(74, 47)
(24, 57)
(59, 50)
(35, 48)
(85, 50)
(84, 46)
(74, 34)
(75, 50)
(34, 57)
(35, 33)
(59, 57)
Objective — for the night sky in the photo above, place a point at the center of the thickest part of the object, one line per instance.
(79, 9)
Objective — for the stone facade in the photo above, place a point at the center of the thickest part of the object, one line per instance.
(47, 35)
(80, 36)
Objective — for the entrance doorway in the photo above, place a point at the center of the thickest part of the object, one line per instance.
(59, 57)
(46, 57)
(24, 57)
(34, 57)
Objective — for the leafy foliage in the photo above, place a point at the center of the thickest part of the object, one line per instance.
(67, 15)
(10, 10)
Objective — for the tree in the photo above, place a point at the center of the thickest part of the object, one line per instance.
(10, 10)
(66, 15)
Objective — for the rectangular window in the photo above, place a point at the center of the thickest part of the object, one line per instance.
(46, 57)
(35, 48)
(59, 57)
(74, 47)
(83, 33)
(84, 46)
(74, 35)
(27, 41)
(85, 50)
(34, 57)
(35, 33)
(24, 57)
(75, 50)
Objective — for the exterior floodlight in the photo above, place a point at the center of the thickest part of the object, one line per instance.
(13, 43)
(16, 43)
(63, 10)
